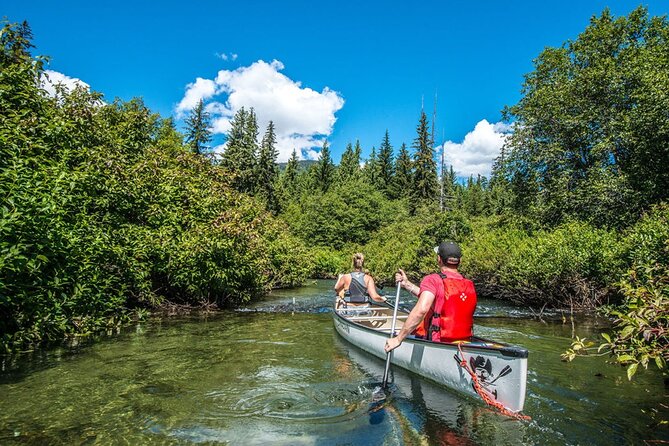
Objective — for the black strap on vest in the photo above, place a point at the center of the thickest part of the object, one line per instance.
(437, 316)
(357, 290)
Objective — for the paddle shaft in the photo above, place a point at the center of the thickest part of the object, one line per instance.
(392, 333)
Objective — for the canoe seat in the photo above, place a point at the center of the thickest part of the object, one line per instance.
(373, 318)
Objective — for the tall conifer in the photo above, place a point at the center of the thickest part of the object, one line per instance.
(241, 150)
(349, 166)
(371, 169)
(403, 180)
(324, 169)
(198, 133)
(289, 178)
(267, 170)
(386, 166)
(425, 174)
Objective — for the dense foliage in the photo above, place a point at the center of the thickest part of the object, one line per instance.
(591, 139)
(105, 209)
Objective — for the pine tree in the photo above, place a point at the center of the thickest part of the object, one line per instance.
(267, 170)
(371, 170)
(386, 166)
(236, 134)
(324, 170)
(425, 173)
(349, 166)
(198, 133)
(450, 183)
(357, 151)
(403, 180)
(289, 179)
(241, 150)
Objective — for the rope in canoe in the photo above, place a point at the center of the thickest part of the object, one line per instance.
(483, 393)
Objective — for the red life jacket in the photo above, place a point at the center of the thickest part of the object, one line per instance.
(451, 317)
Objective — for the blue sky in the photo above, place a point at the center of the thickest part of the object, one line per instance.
(339, 70)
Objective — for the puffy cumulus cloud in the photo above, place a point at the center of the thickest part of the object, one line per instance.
(52, 78)
(477, 152)
(302, 117)
(201, 89)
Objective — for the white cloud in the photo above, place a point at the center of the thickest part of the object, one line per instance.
(227, 56)
(477, 152)
(53, 78)
(302, 117)
(201, 89)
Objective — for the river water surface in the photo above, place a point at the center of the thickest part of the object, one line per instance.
(277, 372)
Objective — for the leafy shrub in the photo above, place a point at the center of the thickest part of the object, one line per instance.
(347, 213)
(328, 262)
(571, 265)
(641, 328)
(104, 211)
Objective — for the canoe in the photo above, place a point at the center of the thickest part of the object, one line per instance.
(500, 369)
(443, 404)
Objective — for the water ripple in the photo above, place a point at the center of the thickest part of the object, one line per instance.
(312, 402)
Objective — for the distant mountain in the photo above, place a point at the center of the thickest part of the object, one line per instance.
(302, 164)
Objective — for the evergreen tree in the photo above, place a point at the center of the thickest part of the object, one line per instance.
(349, 166)
(425, 173)
(473, 202)
(324, 170)
(198, 133)
(450, 183)
(357, 151)
(236, 134)
(289, 179)
(267, 170)
(386, 166)
(241, 149)
(371, 170)
(403, 180)
(500, 197)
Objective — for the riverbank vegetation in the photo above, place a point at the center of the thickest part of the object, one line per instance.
(108, 209)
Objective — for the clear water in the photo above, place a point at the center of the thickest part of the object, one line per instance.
(277, 373)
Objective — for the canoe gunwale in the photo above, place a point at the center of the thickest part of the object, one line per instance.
(505, 349)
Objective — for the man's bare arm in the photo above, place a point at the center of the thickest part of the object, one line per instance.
(415, 317)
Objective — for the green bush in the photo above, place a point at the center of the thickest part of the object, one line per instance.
(104, 211)
(328, 262)
(573, 265)
(641, 327)
(347, 213)
(640, 333)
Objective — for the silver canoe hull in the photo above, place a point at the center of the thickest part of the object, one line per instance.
(501, 369)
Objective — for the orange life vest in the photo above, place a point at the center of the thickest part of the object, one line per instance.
(451, 316)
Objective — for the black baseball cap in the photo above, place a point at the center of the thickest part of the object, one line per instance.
(449, 252)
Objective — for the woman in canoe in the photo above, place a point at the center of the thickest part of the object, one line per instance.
(357, 286)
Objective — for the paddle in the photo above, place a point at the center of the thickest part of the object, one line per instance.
(505, 371)
(392, 333)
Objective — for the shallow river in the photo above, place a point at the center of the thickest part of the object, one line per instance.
(278, 373)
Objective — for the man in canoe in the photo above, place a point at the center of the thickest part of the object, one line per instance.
(357, 286)
(446, 302)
